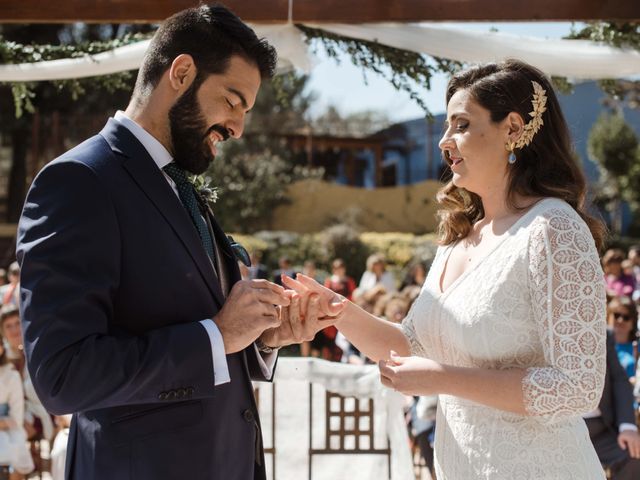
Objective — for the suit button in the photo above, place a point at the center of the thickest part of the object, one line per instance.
(248, 416)
(162, 396)
(171, 395)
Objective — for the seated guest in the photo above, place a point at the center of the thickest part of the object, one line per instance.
(392, 306)
(416, 276)
(423, 424)
(612, 427)
(9, 292)
(622, 318)
(13, 439)
(257, 270)
(37, 421)
(324, 343)
(309, 269)
(634, 256)
(376, 276)
(618, 282)
(285, 269)
(59, 447)
(339, 281)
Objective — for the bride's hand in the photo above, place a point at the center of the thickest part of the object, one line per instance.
(411, 375)
(330, 303)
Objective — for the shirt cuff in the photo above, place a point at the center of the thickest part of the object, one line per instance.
(266, 361)
(627, 426)
(220, 367)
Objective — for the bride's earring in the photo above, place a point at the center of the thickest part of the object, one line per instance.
(512, 156)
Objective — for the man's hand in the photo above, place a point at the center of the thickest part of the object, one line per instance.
(296, 325)
(630, 441)
(250, 309)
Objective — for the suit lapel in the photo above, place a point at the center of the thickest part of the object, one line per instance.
(228, 265)
(149, 178)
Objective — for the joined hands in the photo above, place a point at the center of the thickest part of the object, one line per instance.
(279, 317)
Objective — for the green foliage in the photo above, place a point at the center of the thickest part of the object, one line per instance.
(24, 92)
(620, 35)
(613, 145)
(252, 173)
(617, 34)
(402, 68)
(405, 70)
(251, 186)
(340, 241)
(399, 248)
(343, 241)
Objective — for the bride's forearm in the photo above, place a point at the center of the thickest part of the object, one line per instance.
(501, 389)
(371, 335)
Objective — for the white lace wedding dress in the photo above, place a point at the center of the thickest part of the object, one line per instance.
(536, 301)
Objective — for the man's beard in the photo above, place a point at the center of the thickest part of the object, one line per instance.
(189, 133)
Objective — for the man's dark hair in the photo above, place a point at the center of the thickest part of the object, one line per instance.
(211, 34)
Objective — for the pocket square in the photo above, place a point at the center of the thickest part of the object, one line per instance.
(239, 251)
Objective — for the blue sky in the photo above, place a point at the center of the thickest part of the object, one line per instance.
(343, 85)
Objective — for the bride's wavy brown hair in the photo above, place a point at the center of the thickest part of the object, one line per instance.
(547, 167)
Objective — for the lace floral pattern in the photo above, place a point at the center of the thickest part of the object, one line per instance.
(537, 302)
(568, 299)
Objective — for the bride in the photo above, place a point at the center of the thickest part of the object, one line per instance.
(509, 328)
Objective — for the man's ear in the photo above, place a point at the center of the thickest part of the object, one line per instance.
(515, 126)
(182, 72)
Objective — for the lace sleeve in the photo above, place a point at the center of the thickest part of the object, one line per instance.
(568, 296)
(409, 330)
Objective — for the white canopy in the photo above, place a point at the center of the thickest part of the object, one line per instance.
(577, 59)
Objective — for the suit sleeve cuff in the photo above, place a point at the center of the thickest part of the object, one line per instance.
(627, 426)
(267, 361)
(220, 367)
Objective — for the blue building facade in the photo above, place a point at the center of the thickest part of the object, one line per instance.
(412, 155)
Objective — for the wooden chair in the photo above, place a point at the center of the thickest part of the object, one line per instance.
(361, 418)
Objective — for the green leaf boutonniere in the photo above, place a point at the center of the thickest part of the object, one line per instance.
(204, 188)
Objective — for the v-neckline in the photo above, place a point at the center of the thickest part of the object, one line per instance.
(447, 255)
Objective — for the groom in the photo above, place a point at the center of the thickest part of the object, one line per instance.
(134, 316)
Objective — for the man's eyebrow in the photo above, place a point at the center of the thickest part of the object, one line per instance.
(243, 100)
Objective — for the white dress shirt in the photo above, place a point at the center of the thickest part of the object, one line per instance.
(162, 158)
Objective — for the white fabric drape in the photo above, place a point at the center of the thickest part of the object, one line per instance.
(294, 375)
(580, 59)
(577, 59)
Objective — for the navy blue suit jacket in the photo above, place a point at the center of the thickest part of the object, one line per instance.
(616, 403)
(114, 282)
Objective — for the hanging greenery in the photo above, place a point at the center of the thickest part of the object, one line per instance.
(406, 70)
(24, 92)
(620, 35)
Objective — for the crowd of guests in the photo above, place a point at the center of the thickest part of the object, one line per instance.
(613, 426)
(24, 422)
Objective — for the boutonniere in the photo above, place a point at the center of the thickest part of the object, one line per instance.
(204, 189)
(239, 251)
